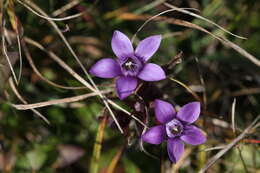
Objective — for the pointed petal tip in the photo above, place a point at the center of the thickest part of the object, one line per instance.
(152, 73)
(175, 148)
(122, 96)
(105, 68)
(154, 135)
(159, 36)
(125, 86)
(117, 32)
(193, 135)
(164, 111)
(148, 46)
(121, 45)
(189, 112)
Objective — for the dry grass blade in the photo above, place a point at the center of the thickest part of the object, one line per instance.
(50, 18)
(104, 99)
(16, 27)
(149, 6)
(4, 49)
(182, 10)
(98, 146)
(11, 83)
(229, 146)
(147, 21)
(242, 52)
(60, 34)
(113, 163)
(223, 40)
(128, 113)
(246, 91)
(20, 57)
(57, 101)
(215, 148)
(36, 71)
(65, 7)
(130, 16)
(188, 89)
(203, 84)
(233, 116)
(54, 57)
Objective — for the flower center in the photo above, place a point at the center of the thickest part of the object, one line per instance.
(174, 128)
(131, 66)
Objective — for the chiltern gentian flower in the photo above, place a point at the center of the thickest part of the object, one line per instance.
(130, 64)
(176, 128)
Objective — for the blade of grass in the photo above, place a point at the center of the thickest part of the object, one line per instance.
(4, 49)
(50, 18)
(114, 162)
(149, 6)
(94, 164)
(187, 88)
(15, 25)
(57, 101)
(182, 10)
(233, 116)
(65, 7)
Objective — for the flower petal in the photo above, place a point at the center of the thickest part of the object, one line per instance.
(125, 86)
(189, 112)
(147, 47)
(152, 72)
(155, 135)
(121, 45)
(175, 148)
(193, 135)
(106, 68)
(164, 111)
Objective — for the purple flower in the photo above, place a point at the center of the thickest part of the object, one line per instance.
(130, 64)
(176, 128)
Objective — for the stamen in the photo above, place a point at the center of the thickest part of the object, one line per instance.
(129, 65)
(174, 128)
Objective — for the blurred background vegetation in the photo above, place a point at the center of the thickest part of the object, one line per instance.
(72, 141)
